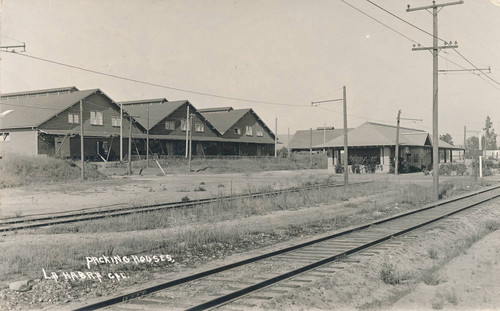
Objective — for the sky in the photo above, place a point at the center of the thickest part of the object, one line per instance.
(287, 52)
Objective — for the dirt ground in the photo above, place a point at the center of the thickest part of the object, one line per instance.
(140, 190)
(469, 282)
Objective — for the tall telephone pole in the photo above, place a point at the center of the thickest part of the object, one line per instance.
(396, 158)
(435, 50)
(82, 153)
(344, 105)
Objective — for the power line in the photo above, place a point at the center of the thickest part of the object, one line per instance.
(460, 54)
(366, 14)
(403, 20)
(155, 84)
(428, 33)
(11, 38)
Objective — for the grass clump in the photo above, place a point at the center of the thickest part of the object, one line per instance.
(18, 170)
(390, 274)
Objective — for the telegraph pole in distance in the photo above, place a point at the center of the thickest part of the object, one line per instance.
(344, 102)
(435, 50)
(465, 140)
(396, 158)
(121, 132)
(276, 137)
(82, 153)
(147, 143)
(130, 147)
(396, 164)
(346, 166)
(187, 131)
(310, 147)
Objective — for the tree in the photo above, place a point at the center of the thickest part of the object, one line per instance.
(446, 138)
(472, 143)
(490, 137)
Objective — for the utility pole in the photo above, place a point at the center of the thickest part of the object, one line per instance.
(82, 153)
(435, 50)
(310, 147)
(147, 142)
(480, 134)
(344, 101)
(187, 131)
(276, 137)
(346, 166)
(465, 140)
(190, 118)
(130, 147)
(396, 158)
(289, 143)
(324, 137)
(121, 132)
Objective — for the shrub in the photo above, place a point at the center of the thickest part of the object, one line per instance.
(18, 170)
(448, 169)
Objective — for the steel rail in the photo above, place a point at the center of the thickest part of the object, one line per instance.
(57, 219)
(227, 298)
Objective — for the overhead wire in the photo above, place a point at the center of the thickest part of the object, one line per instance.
(154, 84)
(430, 34)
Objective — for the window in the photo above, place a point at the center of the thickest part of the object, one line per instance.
(116, 121)
(96, 118)
(4, 137)
(199, 127)
(170, 125)
(260, 133)
(183, 125)
(237, 131)
(249, 131)
(73, 118)
(415, 158)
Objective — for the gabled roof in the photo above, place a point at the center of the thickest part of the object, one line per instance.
(37, 93)
(158, 110)
(376, 134)
(34, 111)
(302, 138)
(224, 120)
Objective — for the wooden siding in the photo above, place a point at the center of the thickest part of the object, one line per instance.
(95, 102)
(249, 120)
(177, 116)
(20, 142)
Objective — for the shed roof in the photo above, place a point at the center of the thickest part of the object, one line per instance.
(302, 138)
(23, 112)
(158, 111)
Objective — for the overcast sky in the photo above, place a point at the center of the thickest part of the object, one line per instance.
(290, 51)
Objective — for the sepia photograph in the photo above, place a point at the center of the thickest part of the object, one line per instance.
(242, 155)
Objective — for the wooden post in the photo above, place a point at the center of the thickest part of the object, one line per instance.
(121, 132)
(130, 147)
(396, 155)
(346, 166)
(187, 131)
(310, 147)
(147, 142)
(82, 153)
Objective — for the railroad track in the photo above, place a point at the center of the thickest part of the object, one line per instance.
(43, 220)
(281, 270)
